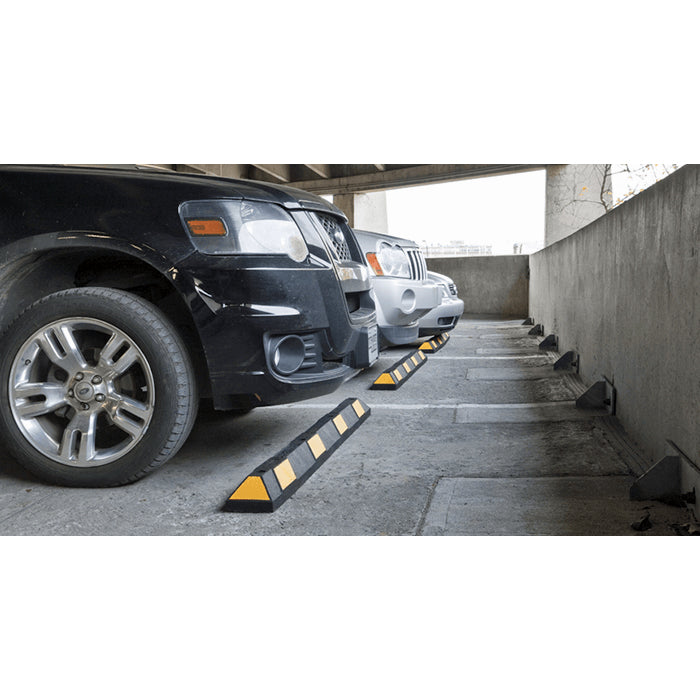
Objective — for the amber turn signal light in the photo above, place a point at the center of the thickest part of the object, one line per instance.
(374, 263)
(206, 227)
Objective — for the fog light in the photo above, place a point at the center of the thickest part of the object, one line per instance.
(408, 301)
(287, 354)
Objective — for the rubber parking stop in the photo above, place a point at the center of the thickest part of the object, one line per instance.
(279, 477)
(435, 344)
(398, 374)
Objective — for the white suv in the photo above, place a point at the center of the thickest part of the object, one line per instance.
(444, 317)
(402, 289)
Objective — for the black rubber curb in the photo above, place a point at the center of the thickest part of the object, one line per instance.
(278, 478)
(435, 344)
(398, 374)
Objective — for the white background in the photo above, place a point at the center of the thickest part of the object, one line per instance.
(362, 82)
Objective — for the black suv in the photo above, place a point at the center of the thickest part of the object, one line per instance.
(126, 295)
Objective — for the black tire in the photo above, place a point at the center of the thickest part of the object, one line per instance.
(138, 414)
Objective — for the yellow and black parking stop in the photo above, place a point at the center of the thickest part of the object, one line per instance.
(397, 375)
(274, 481)
(434, 344)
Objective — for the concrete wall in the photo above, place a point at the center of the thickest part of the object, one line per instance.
(625, 293)
(493, 284)
(575, 196)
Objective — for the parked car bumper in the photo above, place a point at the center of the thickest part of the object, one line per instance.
(258, 322)
(399, 335)
(442, 318)
(401, 302)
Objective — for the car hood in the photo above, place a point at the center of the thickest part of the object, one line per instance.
(440, 279)
(368, 240)
(208, 185)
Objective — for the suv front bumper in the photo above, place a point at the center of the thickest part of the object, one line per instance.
(244, 315)
(442, 318)
(400, 303)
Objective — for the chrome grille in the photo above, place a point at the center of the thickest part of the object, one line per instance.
(419, 270)
(335, 236)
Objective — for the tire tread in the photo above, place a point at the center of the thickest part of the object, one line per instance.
(185, 390)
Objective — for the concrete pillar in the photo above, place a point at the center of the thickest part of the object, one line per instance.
(366, 211)
(346, 204)
(576, 195)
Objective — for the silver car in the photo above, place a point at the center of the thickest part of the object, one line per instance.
(402, 289)
(445, 316)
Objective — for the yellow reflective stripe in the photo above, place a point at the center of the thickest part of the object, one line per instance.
(422, 356)
(358, 407)
(317, 446)
(284, 473)
(406, 366)
(397, 374)
(252, 489)
(383, 379)
(340, 424)
(413, 359)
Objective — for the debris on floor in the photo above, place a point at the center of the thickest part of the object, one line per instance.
(686, 528)
(644, 524)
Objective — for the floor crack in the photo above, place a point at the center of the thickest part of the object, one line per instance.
(421, 522)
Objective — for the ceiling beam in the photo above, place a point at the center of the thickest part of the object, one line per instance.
(322, 170)
(407, 177)
(219, 170)
(282, 173)
(234, 171)
(186, 168)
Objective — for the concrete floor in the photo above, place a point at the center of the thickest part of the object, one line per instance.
(484, 439)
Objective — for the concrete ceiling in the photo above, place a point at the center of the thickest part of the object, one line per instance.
(352, 178)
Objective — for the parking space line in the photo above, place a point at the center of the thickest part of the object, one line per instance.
(488, 357)
(450, 406)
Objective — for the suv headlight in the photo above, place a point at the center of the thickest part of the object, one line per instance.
(389, 260)
(234, 227)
